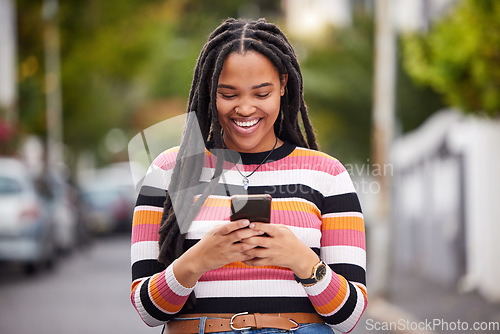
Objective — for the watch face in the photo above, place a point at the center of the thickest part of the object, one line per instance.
(320, 272)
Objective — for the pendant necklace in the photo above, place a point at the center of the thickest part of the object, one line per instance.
(245, 177)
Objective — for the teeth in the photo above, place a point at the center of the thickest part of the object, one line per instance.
(246, 124)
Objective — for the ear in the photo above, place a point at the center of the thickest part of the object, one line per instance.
(284, 80)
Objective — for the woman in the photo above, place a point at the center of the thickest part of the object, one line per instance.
(198, 272)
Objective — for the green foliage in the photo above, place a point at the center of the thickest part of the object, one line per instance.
(460, 57)
(338, 88)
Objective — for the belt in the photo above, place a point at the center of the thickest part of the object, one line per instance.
(225, 322)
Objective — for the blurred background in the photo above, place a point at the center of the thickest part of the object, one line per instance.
(406, 94)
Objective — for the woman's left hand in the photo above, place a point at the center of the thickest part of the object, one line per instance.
(280, 248)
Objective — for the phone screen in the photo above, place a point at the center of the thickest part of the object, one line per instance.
(256, 208)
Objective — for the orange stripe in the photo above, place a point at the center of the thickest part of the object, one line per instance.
(134, 286)
(337, 300)
(241, 265)
(217, 202)
(146, 217)
(343, 223)
(305, 153)
(363, 290)
(294, 206)
(158, 299)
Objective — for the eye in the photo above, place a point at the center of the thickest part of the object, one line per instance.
(263, 96)
(227, 96)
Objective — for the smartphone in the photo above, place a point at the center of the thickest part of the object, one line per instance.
(255, 208)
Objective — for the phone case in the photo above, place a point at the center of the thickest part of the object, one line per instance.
(256, 208)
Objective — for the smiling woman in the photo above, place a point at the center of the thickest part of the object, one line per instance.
(196, 270)
(248, 101)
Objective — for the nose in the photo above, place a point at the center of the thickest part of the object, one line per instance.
(245, 109)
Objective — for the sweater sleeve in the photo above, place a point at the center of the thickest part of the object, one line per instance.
(155, 293)
(341, 297)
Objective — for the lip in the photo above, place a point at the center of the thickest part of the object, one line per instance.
(246, 130)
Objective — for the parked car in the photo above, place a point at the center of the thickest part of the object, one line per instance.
(26, 228)
(109, 199)
(60, 198)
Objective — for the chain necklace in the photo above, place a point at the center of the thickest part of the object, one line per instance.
(245, 177)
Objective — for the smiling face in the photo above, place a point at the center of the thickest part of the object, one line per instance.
(248, 101)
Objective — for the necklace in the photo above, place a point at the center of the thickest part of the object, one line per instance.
(245, 177)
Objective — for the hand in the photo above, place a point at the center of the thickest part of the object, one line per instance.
(223, 244)
(281, 248)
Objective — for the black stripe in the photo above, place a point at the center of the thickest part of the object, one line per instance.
(148, 305)
(151, 196)
(345, 311)
(341, 203)
(350, 272)
(145, 268)
(253, 305)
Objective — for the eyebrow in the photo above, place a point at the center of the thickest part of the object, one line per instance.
(265, 84)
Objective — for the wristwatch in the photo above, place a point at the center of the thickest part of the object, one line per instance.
(319, 272)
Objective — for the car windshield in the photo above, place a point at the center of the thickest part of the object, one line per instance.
(9, 186)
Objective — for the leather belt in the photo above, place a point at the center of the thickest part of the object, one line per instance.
(225, 322)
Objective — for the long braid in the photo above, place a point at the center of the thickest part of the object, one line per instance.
(231, 36)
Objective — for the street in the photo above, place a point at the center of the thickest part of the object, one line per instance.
(87, 292)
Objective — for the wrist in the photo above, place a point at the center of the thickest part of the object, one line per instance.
(304, 268)
(187, 270)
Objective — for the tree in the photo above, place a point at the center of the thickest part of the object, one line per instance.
(459, 57)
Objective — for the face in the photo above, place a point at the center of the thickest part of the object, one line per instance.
(248, 101)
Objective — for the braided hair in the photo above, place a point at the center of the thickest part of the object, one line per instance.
(233, 35)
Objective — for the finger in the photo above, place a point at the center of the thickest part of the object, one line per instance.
(232, 226)
(257, 252)
(257, 241)
(264, 227)
(256, 262)
(246, 233)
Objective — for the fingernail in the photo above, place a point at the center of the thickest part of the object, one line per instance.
(245, 222)
(252, 225)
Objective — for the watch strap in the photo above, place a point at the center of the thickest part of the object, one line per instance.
(311, 280)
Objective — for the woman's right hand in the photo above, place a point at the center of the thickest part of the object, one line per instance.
(220, 246)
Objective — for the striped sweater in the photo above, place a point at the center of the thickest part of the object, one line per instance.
(313, 195)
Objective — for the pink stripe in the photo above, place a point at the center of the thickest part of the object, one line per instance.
(247, 274)
(343, 238)
(166, 160)
(295, 218)
(213, 213)
(317, 163)
(167, 293)
(327, 295)
(145, 232)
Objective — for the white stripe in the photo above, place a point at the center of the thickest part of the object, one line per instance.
(309, 236)
(174, 284)
(350, 322)
(147, 208)
(157, 177)
(326, 184)
(344, 254)
(149, 320)
(144, 250)
(346, 297)
(343, 214)
(249, 288)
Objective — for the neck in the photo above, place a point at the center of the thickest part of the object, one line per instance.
(276, 142)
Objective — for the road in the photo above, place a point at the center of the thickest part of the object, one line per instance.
(88, 292)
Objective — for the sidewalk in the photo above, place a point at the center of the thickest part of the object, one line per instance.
(418, 305)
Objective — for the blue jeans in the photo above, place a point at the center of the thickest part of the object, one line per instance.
(314, 328)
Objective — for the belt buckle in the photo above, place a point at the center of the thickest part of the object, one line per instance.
(297, 325)
(238, 329)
